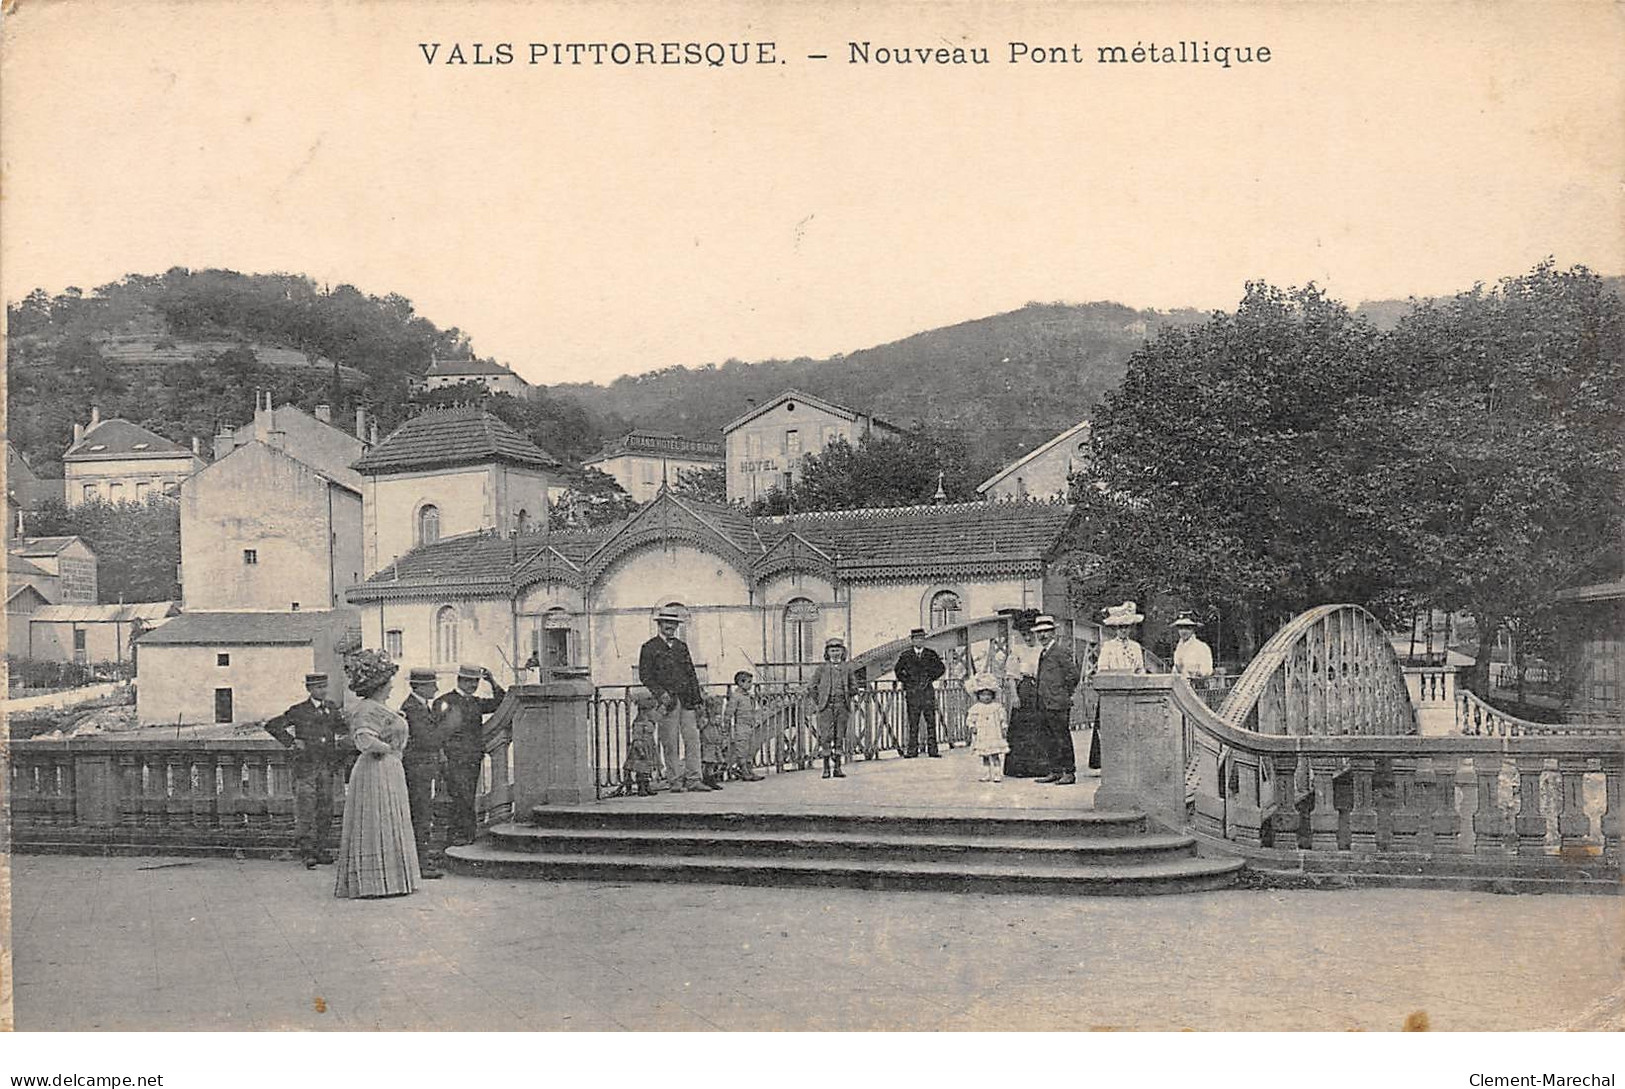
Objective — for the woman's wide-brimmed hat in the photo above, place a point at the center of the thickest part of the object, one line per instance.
(1121, 616)
(1184, 620)
(982, 682)
(367, 669)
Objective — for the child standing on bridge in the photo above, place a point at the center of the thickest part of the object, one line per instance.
(987, 725)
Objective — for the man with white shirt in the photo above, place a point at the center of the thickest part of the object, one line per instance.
(1193, 659)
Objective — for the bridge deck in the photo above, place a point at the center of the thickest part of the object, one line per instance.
(948, 785)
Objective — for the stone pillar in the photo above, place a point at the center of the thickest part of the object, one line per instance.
(552, 745)
(1142, 747)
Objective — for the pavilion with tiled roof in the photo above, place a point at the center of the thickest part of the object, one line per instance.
(455, 435)
(758, 591)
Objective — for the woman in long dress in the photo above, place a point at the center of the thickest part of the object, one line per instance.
(378, 855)
(1119, 654)
(1027, 757)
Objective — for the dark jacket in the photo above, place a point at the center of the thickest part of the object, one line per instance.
(425, 733)
(322, 729)
(917, 672)
(666, 668)
(1057, 678)
(463, 719)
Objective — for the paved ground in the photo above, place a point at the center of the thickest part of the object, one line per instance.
(161, 943)
(944, 785)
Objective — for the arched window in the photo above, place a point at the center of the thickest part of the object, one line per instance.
(945, 609)
(428, 527)
(522, 521)
(800, 630)
(445, 634)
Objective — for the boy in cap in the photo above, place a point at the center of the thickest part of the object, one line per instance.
(641, 760)
(462, 715)
(917, 670)
(316, 732)
(421, 760)
(742, 714)
(829, 694)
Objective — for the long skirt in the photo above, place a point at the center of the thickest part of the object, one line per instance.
(377, 854)
(1029, 755)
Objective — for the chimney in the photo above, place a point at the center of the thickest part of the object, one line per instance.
(224, 443)
(78, 433)
(324, 413)
(361, 423)
(372, 432)
(263, 418)
(95, 416)
(197, 447)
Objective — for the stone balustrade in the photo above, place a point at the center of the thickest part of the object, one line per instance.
(1475, 718)
(1515, 806)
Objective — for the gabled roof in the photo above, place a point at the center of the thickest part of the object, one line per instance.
(457, 368)
(817, 402)
(121, 440)
(145, 611)
(18, 567)
(951, 541)
(17, 599)
(458, 435)
(246, 629)
(45, 546)
(225, 465)
(1081, 428)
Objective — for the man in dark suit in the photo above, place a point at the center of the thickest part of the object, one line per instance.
(424, 738)
(462, 717)
(667, 671)
(316, 732)
(918, 668)
(1057, 679)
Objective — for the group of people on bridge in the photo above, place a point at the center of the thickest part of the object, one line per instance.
(395, 763)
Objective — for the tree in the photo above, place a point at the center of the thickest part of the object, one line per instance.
(1223, 470)
(137, 545)
(1510, 443)
(706, 485)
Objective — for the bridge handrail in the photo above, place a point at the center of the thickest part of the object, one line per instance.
(1475, 718)
(1397, 795)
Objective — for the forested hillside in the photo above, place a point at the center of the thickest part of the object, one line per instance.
(182, 353)
(1014, 378)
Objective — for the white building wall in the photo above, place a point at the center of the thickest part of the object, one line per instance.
(760, 452)
(479, 497)
(485, 635)
(724, 635)
(640, 474)
(152, 474)
(882, 612)
(177, 683)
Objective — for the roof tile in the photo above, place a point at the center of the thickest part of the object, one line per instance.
(459, 435)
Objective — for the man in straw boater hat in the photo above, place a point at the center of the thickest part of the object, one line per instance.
(667, 671)
(462, 713)
(1193, 659)
(425, 736)
(1057, 679)
(315, 730)
(918, 669)
(829, 694)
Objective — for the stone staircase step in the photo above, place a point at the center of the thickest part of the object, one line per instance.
(867, 844)
(1172, 875)
(893, 820)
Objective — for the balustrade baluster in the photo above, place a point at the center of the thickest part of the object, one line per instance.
(1410, 812)
(1530, 823)
(205, 796)
(279, 795)
(229, 772)
(129, 792)
(1573, 823)
(1613, 818)
(1284, 821)
(1489, 824)
(1363, 814)
(1325, 822)
(1444, 821)
(1209, 815)
(1244, 810)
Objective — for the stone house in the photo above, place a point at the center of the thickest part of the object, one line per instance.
(92, 633)
(486, 373)
(642, 461)
(1043, 472)
(760, 593)
(62, 569)
(118, 461)
(764, 446)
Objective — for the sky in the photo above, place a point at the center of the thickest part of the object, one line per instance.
(582, 222)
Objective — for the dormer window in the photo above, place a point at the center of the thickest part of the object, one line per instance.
(98, 446)
(141, 446)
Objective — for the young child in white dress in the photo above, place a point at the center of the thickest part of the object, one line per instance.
(987, 723)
